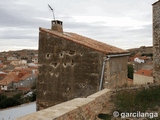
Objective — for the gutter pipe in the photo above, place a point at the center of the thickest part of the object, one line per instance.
(104, 63)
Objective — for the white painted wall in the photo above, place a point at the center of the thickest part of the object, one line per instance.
(18, 111)
(141, 79)
(138, 60)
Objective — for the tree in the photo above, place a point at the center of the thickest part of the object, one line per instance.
(9, 102)
(130, 71)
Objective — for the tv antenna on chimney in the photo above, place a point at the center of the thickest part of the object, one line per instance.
(52, 11)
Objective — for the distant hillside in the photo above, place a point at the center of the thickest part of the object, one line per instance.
(24, 51)
(141, 50)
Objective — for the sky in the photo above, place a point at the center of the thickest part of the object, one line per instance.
(121, 23)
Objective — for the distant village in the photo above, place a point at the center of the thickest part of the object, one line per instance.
(18, 70)
(142, 61)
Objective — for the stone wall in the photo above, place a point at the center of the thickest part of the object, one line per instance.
(67, 70)
(83, 108)
(76, 109)
(156, 42)
(115, 72)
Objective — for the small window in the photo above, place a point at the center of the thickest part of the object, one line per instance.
(148, 83)
(72, 62)
(48, 55)
(71, 52)
(54, 64)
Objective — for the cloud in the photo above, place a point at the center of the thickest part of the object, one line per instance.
(118, 23)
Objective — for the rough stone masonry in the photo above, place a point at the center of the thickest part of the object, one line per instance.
(70, 66)
(156, 42)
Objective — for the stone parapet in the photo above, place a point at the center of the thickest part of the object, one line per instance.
(76, 109)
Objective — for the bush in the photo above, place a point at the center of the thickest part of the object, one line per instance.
(131, 101)
(104, 116)
(15, 100)
(2, 97)
(9, 102)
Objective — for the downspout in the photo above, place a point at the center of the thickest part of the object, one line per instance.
(101, 80)
(104, 63)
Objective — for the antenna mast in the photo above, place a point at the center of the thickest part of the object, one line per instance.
(52, 11)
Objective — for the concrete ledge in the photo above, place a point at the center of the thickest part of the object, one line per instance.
(78, 108)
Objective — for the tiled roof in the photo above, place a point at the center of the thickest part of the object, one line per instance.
(144, 58)
(85, 41)
(26, 76)
(19, 69)
(24, 88)
(145, 72)
(8, 79)
(22, 76)
(14, 77)
(1, 65)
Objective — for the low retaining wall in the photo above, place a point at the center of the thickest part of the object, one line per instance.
(82, 108)
(76, 109)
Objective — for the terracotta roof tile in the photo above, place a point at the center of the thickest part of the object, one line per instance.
(8, 79)
(26, 76)
(144, 58)
(22, 76)
(85, 41)
(145, 72)
(1, 65)
(24, 88)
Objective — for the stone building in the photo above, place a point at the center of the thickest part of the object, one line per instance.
(156, 42)
(71, 66)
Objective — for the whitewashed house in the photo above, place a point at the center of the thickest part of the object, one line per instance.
(138, 60)
(9, 58)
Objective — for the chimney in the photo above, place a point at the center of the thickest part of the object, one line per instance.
(57, 25)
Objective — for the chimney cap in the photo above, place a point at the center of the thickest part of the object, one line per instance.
(57, 22)
(57, 25)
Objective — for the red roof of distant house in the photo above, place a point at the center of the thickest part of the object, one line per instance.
(24, 88)
(22, 76)
(19, 69)
(3, 74)
(85, 41)
(138, 54)
(26, 76)
(8, 79)
(14, 77)
(35, 57)
(145, 72)
(144, 58)
(2, 59)
(132, 58)
(1, 65)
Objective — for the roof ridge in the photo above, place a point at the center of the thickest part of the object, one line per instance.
(86, 41)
